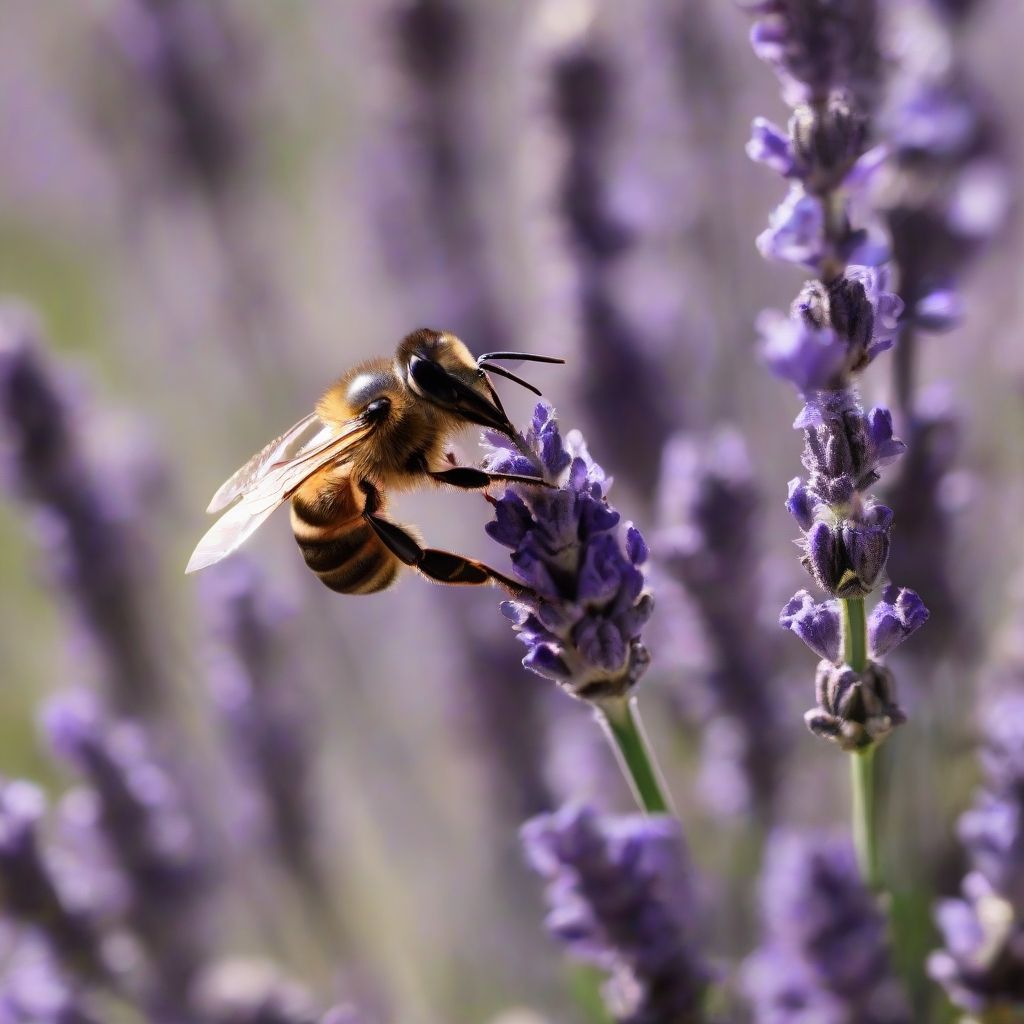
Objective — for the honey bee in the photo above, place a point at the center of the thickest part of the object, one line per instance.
(383, 426)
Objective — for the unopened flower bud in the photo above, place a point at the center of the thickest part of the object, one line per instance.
(855, 709)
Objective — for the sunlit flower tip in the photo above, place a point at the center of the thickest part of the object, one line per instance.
(620, 897)
(770, 145)
(939, 310)
(809, 357)
(854, 710)
(796, 230)
(899, 613)
(817, 624)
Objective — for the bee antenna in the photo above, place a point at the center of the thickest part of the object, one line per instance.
(509, 376)
(528, 357)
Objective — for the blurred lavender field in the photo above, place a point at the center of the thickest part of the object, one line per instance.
(238, 797)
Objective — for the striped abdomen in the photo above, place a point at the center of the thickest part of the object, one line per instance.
(335, 540)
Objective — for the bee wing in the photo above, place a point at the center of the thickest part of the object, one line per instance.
(276, 482)
(309, 433)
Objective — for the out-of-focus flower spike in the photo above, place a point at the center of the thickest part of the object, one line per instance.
(90, 541)
(824, 955)
(264, 710)
(30, 893)
(144, 828)
(620, 896)
(707, 540)
(982, 965)
(33, 987)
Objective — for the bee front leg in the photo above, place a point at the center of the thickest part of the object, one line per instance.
(435, 564)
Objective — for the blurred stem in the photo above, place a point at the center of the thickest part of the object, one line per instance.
(862, 762)
(620, 720)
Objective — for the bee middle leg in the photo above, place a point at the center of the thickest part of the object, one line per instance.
(440, 566)
(470, 478)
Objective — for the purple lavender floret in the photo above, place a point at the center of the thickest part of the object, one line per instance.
(982, 966)
(262, 708)
(142, 823)
(817, 624)
(90, 537)
(899, 614)
(620, 897)
(582, 625)
(824, 957)
(29, 891)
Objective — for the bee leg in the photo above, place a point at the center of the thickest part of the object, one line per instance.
(470, 478)
(437, 565)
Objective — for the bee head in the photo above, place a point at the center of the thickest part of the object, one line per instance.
(438, 368)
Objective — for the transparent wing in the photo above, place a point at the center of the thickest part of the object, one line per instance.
(308, 434)
(276, 484)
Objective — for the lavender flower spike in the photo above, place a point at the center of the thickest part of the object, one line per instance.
(824, 957)
(620, 897)
(982, 966)
(141, 822)
(582, 625)
(29, 892)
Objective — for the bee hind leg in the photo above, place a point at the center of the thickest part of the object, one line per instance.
(437, 565)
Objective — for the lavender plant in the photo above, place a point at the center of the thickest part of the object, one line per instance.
(582, 620)
(944, 193)
(85, 527)
(982, 965)
(620, 897)
(824, 958)
(826, 57)
(708, 506)
(141, 826)
(622, 362)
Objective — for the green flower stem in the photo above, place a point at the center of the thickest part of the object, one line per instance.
(862, 762)
(855, 633)
(620, 720)
(865, 833)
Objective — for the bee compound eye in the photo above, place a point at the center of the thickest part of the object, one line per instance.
(378, 409)
(431, 380)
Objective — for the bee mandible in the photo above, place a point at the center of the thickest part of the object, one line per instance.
(384, 426)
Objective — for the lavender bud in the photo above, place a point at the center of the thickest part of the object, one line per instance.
(866, 544)
(620, 897)
(854, 710)
(824, 957)
(582, 625)
(818, 625)
(899, 613)
(801, 503)
(828, 140)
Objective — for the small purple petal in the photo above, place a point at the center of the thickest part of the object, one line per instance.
(818, 625)
(899, 613)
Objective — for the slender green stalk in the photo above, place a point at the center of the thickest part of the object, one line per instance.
(855, 633)
(865, 832)
(620, 720)
(862, 762)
